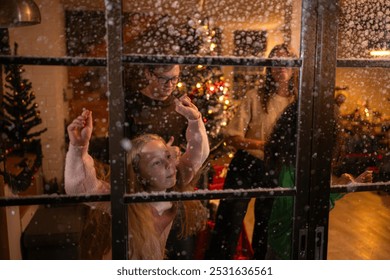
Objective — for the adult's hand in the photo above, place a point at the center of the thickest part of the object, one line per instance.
(186, 108)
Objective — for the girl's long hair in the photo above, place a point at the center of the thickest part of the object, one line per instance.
(144, 241)
(270, 85)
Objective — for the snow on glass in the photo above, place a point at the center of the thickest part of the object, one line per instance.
(227, 28)
(364, 27)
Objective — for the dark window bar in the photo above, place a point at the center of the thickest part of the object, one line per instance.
(175, 196)
(211, 60)
(147, 197)
(149, 59)
(363, 63)
(61, 61)
(52, 199)
(205, 195)
(190, 60)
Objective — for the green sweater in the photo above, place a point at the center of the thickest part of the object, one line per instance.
(280, 224)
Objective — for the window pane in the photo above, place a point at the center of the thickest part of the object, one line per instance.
(222, 95)
(227, 28)
(363, 122)
(56, 232)
(59, 33)
(39, 103)
(364, 29)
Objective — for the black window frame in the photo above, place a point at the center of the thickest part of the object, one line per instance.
(317, 65)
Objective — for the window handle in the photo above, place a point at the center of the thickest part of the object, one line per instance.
(319, 243)
(302, 244)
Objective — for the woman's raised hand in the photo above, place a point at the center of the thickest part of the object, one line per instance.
(80, 130)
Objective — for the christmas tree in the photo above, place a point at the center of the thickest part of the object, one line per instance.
(206, 84)
(18, 116)
(209, 91)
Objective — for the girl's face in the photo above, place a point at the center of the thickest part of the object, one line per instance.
(157, 167)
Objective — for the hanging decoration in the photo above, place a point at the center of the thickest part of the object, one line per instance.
(18, 116)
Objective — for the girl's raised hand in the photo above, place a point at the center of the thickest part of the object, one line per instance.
(186, 108)
(80, 130)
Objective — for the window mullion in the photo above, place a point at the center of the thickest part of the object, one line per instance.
(305, 122)
(323, 135)
(116, 131)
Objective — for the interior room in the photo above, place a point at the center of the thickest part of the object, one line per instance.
(64, 63)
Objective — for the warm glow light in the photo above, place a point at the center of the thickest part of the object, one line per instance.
(198, 85)
(221, 98)
(212, 46)
(212, 88)
(179, 84)
(380, 52)
(200, 66)
(227, 102)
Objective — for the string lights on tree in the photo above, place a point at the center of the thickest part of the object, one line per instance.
(206, 85)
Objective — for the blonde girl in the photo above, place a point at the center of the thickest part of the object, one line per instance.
(153, 166)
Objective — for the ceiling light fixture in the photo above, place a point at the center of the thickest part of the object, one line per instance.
(18, 13)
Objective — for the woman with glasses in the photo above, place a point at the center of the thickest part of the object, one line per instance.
(149, 102)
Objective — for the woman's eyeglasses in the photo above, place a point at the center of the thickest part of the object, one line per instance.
(165, 80)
